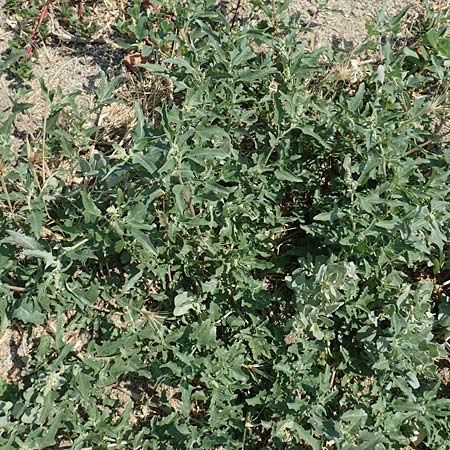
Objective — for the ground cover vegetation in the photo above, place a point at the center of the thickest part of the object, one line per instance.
(263, 263)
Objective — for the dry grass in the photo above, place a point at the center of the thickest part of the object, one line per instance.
(118, 119)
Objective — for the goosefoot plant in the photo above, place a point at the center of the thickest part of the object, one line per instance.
(264, 266)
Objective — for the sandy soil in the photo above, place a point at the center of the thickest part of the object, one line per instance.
(60, 63)
(344, 21)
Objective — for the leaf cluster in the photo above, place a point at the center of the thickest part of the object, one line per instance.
(264, 266)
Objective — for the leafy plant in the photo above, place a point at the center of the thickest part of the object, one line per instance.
(264, 266)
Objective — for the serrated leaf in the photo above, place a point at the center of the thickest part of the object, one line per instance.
(27, 314)
(131, 282)
(48, 258)
(22, 240)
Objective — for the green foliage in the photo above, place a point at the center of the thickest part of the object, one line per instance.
(263, 266)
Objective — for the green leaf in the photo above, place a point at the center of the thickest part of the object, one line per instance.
(27, 314)
(131, 282)
(285, 175)
(354, 415)
(183, 303)
(36, 219)
(206, 333)
(308, 438)
(356, 418)
(22, 241)
(355, 102)
(412, 380)
(179, 191)
(48, 258)
(21, 107)
(209, 132)
(381, 71)
(145, 162)
(89, 205)
(410, 53)
(310, 132)
(138, 131)
(323, 217)
(180, 62)
(143, 239)
(49, 437)
(432, 37)
(249, 75)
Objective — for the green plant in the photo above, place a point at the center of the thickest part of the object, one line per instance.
(264, 266)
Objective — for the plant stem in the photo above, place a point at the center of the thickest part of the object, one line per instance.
(80, 11)
(188, 197)
(274, 8)
(34, 36)
(30, 161)
(5, 190)
(44, 132)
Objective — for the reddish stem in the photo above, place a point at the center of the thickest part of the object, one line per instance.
(80, 11)
(34, 36)
(151, 5)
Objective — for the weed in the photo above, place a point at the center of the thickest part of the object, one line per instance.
(263, 265)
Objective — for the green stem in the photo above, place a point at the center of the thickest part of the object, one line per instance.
(5, 190)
